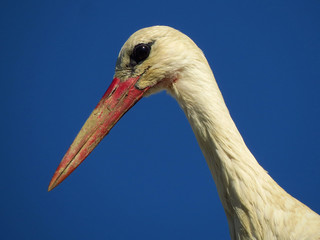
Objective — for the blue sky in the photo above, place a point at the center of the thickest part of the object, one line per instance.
(57, 59)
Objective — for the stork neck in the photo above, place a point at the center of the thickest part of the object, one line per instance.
(232, 165)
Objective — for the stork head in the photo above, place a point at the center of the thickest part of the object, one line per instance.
(157, 55)
(152, 59)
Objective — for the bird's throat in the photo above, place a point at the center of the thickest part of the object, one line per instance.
(231, 163)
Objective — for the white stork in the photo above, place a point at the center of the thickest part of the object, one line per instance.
(162, 58)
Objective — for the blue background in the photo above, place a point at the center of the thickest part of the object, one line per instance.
(148, 179)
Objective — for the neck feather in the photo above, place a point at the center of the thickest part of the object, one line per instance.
(244, 187)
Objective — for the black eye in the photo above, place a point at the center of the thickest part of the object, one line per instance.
(140, 53)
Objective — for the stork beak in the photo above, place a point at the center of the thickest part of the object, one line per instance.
(117, 100)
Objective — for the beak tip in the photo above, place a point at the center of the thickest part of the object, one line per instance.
(53, 183)
(51, 186)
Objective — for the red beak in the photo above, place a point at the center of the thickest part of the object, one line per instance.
(117, 100)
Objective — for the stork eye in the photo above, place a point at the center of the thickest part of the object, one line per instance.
(140, 53)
